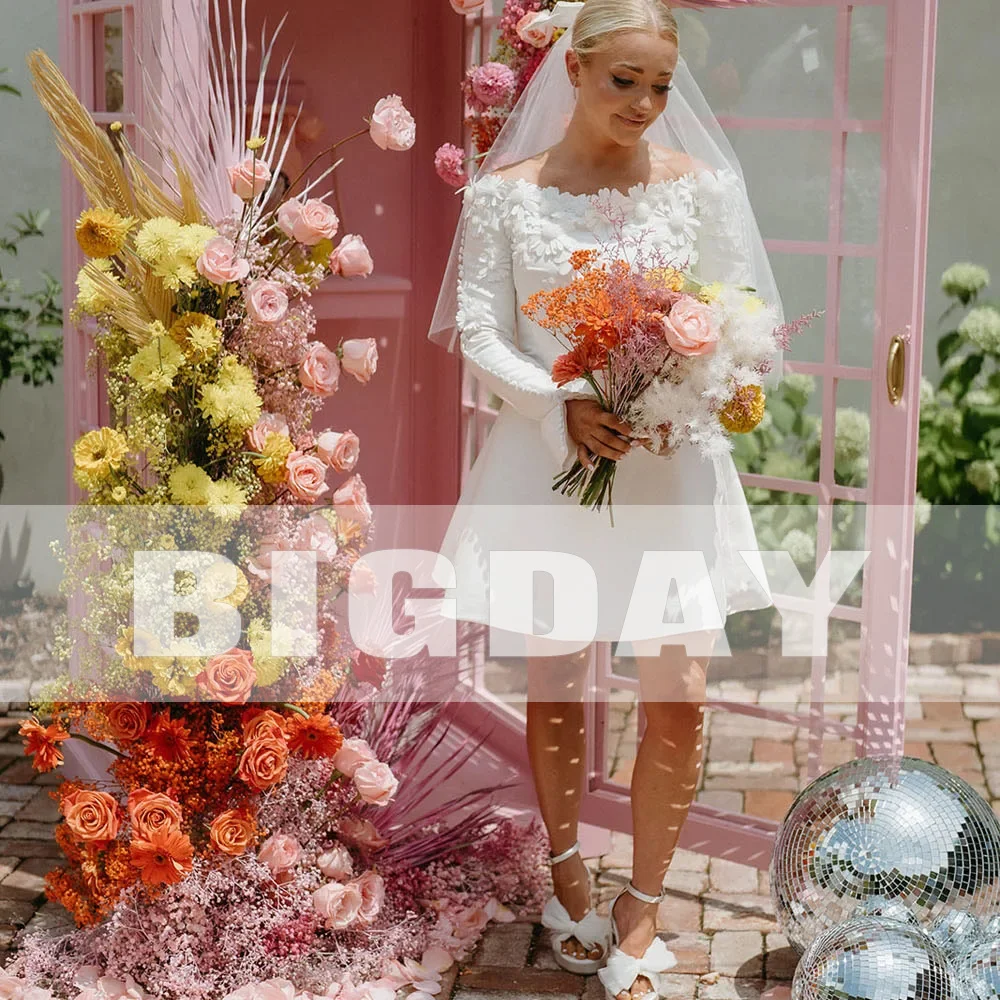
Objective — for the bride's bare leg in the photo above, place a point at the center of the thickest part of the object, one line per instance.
(557, 753)
(666, 773)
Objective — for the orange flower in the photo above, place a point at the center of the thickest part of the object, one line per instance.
(264, 763)
(150, 811)
(260, 722)
(229, 677)
(233, 831)
(169, 738)
(43, 742)
(91, 816)
(128, 720)
(164, 857)
(585, 357)
(580, 260)
(317, 736)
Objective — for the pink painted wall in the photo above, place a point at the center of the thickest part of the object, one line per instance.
(344, 60)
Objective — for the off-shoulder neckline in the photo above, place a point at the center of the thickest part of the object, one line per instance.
(643, 187)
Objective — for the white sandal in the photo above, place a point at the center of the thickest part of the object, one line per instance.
(591, 930)
(622, 970)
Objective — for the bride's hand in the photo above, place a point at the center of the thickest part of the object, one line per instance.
(665, 449)
(596, 431)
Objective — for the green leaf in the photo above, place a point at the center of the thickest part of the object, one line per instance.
(947, 345)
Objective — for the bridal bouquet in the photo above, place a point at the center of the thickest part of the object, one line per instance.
(678, 359)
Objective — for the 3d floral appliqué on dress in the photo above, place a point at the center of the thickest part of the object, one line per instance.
(518, 239)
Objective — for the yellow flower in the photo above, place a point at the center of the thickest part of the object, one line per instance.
(194, 236)
(214, 576)
(100, 451)
(90, 298)
(753, 304)
(277, 448)
(158, 239)
(173, 676)
(141, 650)
(102, 232)
(197, 335)
(268, 668)
(176, 270)
(232, 399)
(257, 142)
(227, 499)
(744, 411)
(190, 484)
(119, 494)
(711, 291)
(115, 126)
(155, 365)
(668, 277)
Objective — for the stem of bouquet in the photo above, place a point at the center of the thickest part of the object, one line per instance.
(96, 743)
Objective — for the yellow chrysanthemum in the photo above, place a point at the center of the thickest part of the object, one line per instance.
(214, 577)
(100, 451)
(257, 142)
(277, 448)
(231, 400)
(227, 499)
(102, 232)
(190, 484)
(711, 291)
(267, 667)
(176, 270)
(139, 650)
(155, 365)
(666, 277)
(194, 236)
(744, 411)
(173, 676)
(119, 494)
(753, 304)
(197, 335)
(158, 239)
(90, 298)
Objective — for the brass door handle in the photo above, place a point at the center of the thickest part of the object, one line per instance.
(895, 369)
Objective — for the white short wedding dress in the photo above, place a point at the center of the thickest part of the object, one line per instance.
(518, 239)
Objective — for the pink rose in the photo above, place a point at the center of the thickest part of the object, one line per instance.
(360, 358)
(249, 178)
(352, 754)
(314, 221)
(375, 782)
(371, 885)
(351, 501)
(279, 852)
(689, 327)
(466, 6)
(339, 450)
(537, 35)
(260, 563)
(351, 258)
(336, 863)
(267, 301)
(220, 264)
(319, 371)
(287, 215)
(306, 476)
(361, 832)
(268, 423)
(362, 579)
(316, 535)
(392, 126)
(338, 904)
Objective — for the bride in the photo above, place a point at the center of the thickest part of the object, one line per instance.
(611, 123)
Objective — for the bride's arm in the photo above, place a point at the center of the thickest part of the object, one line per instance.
(487, 314)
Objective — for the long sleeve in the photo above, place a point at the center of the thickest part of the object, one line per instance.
(487, 317)
(723, 242)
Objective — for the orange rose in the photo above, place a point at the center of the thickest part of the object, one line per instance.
(91, 816)
(264, 763)
(128, 720)
(261, 722)
(229, 677)
(149, 811)
(233, 831)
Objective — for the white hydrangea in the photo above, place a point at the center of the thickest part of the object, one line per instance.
(982, 328)
(952, 420)
(800, 546)
(853, 431)
(980, 397)
(963, 280)
(983, 474)
(926, 391)
(921, 513)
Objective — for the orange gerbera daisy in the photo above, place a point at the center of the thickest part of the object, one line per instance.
(317, 736)
(43, 742)
(164, 857)
(169, 738)
(585, 357)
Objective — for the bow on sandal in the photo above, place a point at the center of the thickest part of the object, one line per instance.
(591, 930)
(622, 970)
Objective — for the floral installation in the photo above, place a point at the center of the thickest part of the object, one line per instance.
(523, 36)
(679, 359)
(261, 827)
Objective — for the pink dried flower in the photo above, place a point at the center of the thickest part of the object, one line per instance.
(449, 162)
(493, 83)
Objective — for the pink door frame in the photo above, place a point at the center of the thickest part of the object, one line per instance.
(900, 254)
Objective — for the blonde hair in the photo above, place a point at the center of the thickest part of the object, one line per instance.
(601, 18)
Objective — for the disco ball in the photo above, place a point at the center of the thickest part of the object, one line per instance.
(979, 970)
(957, 932)
(899, 828)
(868, 958)
(887, 909)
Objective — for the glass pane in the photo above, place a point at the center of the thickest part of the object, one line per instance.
(862, 177)
(852, 433)
(109, 86)
(774, 63)
(857, 311)
(848, 534)
(797, 208)
(801, 281)
(867, 62)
